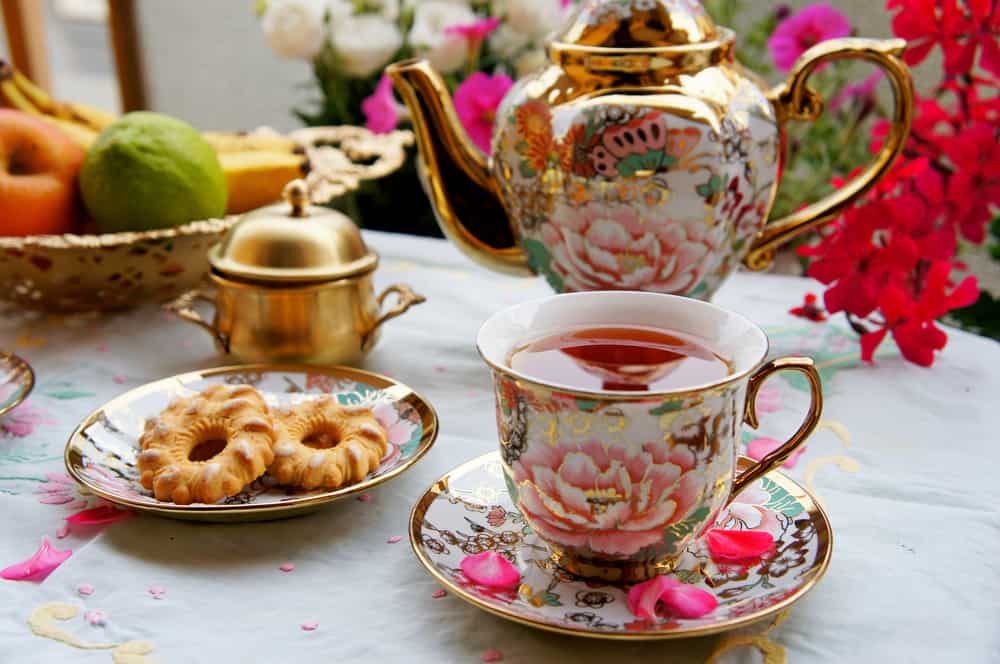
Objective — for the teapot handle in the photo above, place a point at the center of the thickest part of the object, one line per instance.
(795, 100)
(183, 308)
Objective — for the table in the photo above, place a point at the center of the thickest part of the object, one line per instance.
(905, 465)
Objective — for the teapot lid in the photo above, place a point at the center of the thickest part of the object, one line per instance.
(293, 242)
(626, 24)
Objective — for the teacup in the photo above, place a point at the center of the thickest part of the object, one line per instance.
(617, 483)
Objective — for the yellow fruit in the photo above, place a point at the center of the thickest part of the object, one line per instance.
(257, 178)
(231, 141)
(79, 134)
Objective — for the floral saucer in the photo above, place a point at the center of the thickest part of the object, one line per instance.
(101, 453)
(469, 511)
(16, 381)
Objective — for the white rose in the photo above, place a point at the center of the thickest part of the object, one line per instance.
(447, 52)
(340, 8)
(508, 42)
(534, 18)
(294, 28)
(365, 43)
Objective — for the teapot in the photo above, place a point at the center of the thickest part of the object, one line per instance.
(643, 156)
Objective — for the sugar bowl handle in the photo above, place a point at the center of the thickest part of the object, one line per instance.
(183, 307)
(406, 297)
(795, 100)
(805, 366)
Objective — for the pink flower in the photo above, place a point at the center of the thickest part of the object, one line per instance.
(748, 512)
(21, 421)
(476, 31)
(492, 570)
(606, 247)
(60, 489)
(643, 490)
(769, 399)
(382, 111)
(806, 28)
(665, 596)
(863, 92)
(758, 448)
(38, 566)
(476, 101)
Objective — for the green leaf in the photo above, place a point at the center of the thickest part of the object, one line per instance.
(551, 599)
(687, 575)
(710, 188)
(526, 170)
(66, 395)
(681, 529)
(781, 500)
(540, 261)
(670, 406)
(587, 405)
(650, 161)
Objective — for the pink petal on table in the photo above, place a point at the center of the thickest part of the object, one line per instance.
(86, 590)
(365, 497)
(492, 570)
(738, 545)
(310, 626)
(492, 656)
(157, 592)
(666, 596)
(118, 378)
(38, 566)
(97, 516)
(95, 617)
(63, 532)
(102, 349)
(287, 567)
(758, 448)
(55, 499)
(438, 594)
(394, 539)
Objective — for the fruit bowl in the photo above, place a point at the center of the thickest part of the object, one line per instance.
(81, 273)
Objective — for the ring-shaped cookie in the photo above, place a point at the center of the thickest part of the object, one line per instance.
(323, 444)
(207, 447)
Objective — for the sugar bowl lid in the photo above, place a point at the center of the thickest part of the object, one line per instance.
(627, 24)
(293, 242)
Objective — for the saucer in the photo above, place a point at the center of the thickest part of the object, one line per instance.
(101, 453)
(16, 381)
(469, 511)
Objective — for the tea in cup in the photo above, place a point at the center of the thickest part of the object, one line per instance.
(619, 416)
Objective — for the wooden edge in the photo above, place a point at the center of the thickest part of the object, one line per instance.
(24, 21)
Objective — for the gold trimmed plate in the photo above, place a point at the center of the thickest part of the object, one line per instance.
(101, 453)
(469, 510)
(17, 379)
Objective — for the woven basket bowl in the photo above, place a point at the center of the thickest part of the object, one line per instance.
(86, 273)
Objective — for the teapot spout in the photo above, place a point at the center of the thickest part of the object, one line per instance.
(455, 173)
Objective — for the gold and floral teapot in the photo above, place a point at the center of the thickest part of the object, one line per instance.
(643, 157)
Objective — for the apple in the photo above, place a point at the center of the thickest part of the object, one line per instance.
(38, 173)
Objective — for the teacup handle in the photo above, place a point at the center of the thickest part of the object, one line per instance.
(773, 460)
(406, 297)
(183, 307)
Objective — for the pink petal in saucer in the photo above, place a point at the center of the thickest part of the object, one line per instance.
(492, 570)
(667, 596)
(38, 566)
(732, 546)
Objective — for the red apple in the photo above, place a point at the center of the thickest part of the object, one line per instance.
(38, 169)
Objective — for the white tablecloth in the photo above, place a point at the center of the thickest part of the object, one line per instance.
(906, 468)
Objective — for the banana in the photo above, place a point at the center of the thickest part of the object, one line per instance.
(82, 136)
(259, 140)
(87, 116)
(257, 178)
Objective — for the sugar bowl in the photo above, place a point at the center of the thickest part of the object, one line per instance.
(293, 283)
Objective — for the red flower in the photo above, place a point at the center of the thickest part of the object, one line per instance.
(959, 27)
(911, 320)
(975, 185)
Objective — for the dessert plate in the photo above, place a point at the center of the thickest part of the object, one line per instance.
(16, 381)
(469, 511)
(101, 453)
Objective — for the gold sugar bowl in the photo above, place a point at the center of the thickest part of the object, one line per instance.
(293, 283)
